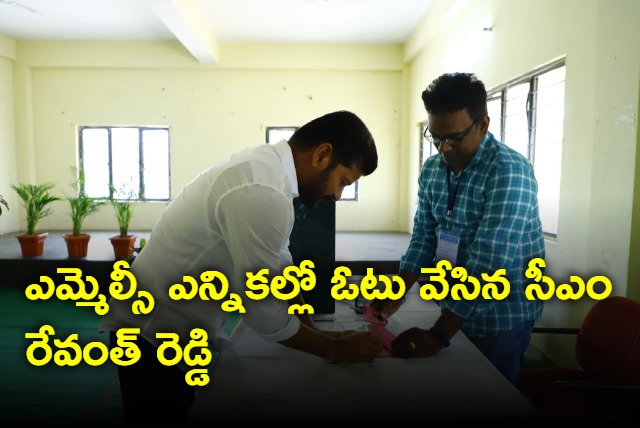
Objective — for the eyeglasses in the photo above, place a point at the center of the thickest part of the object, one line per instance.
(453, 140)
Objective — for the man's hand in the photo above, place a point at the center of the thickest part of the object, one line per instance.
(356, 348)
(414, 343)
(386, 307)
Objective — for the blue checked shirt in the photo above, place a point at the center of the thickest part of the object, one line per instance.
(496, 217)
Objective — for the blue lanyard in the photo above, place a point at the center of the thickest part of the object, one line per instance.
(451, 197)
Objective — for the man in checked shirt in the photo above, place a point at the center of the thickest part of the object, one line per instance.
(478, 209)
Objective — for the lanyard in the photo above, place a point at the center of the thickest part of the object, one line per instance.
(451, 197)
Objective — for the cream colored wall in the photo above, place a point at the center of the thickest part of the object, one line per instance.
(601, 43)
(634, 252)
(9, 218)
(212, 111)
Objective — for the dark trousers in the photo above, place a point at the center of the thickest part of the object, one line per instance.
(506, 350)
(153, 394)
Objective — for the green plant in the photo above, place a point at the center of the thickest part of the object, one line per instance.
(124, 211)
(81, 205)
(3, 202)
(35, 199)
(136, 251)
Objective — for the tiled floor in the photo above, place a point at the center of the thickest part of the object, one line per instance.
(51, 395)
(78, 396)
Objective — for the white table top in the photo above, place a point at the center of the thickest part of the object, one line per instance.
(261, 380)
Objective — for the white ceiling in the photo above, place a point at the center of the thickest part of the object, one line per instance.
(200, 24)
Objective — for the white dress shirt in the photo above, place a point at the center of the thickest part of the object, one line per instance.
(235, 217)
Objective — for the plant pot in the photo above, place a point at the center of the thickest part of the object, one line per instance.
(123, 247)
(32, 245)
(77, 245)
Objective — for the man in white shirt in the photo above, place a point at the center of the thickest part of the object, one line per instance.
(234, 218)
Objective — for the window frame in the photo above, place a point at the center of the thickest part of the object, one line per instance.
(278, 128)
(422, 127)
(500, 92)
(140, 128)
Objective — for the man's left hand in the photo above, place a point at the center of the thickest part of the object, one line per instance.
(414, 343)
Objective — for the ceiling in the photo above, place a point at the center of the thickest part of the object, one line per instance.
(200, 24)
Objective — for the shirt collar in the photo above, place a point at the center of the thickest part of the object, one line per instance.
(283, 150)
(476, 156)
(483, 144)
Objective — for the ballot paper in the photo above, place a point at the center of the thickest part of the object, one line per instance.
(377, 328)
(371, 316)
(385, 336)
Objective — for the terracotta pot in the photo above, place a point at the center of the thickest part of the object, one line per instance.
(77, 245)
(123, 247)
(32, 245)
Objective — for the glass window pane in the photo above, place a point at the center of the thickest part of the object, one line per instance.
(548, 145)
(155, 145)
(552, 77)
(516, 133)
(95, 161)
(125, 152)
(548, 115)
(275, 135)
(123, 167)
(550, 98)
(494, 109)
(350, 192)
(426, 148)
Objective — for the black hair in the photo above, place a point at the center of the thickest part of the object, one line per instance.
(352, 142)
(456, 91)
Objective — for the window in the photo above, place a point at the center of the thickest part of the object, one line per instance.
(133, 160)
(277, 133)
(527, 114)
(426, 148)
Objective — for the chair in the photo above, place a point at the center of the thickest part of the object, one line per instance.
(606, 389)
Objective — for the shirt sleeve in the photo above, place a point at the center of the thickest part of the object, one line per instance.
(256, 222)
(511, 194)
(422, 244)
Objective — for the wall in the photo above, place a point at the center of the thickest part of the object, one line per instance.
(9, 218)
(600, 42)
(633, 290)
(212, 111)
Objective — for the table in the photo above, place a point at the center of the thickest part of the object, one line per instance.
(258, 380)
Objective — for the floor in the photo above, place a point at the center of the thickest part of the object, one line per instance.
(74, 396)
(84, 395)
(78, 396)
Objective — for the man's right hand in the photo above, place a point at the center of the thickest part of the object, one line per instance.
(359, 347)
(386, 307)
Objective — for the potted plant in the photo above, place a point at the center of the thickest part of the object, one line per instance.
(81, 206)
(35, 199)
(136, 251)
(123, 244)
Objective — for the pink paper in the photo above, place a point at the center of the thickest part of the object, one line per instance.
(371, 316)
(385, 336)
